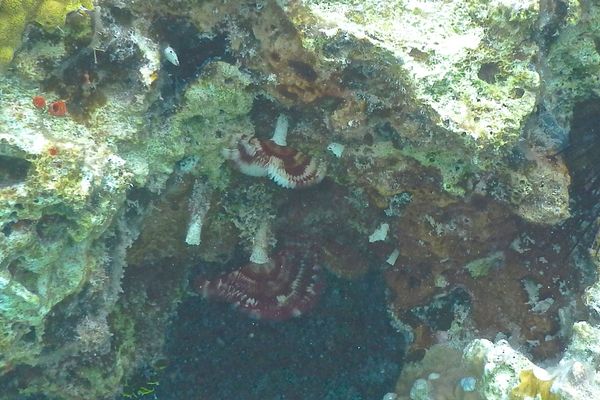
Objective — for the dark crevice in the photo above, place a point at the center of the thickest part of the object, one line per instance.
(581, 157)
(12, 170)
(219, 353)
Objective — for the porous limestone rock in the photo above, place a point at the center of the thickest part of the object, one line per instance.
(62, 189)
(471, 61)
(468, 71)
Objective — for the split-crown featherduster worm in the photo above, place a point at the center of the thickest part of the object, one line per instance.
(287, 285)
(278, 287)
(282, 286)
(285, 165)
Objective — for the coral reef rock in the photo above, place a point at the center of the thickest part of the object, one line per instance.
(446, 150)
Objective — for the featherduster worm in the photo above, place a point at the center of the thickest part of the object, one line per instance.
(285, 165)
(288, 285)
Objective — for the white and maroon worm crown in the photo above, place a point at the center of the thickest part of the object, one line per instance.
(287, 286)
(285, 165)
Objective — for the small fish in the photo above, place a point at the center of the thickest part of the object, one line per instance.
(171, 56)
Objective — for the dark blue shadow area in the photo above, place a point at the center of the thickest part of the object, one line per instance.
(344, 349)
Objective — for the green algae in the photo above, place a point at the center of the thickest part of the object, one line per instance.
(482, 266)
(213, 113)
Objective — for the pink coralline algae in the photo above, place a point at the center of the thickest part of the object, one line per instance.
(287, 286)
(285, 165)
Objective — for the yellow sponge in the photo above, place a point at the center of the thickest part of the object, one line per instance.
(6, 54)
(50, 14)
(532, 386)
(15, 14)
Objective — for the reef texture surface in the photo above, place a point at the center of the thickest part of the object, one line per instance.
(256, 148)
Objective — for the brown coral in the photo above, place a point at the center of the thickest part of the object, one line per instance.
(281, 53)
(514, 275)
